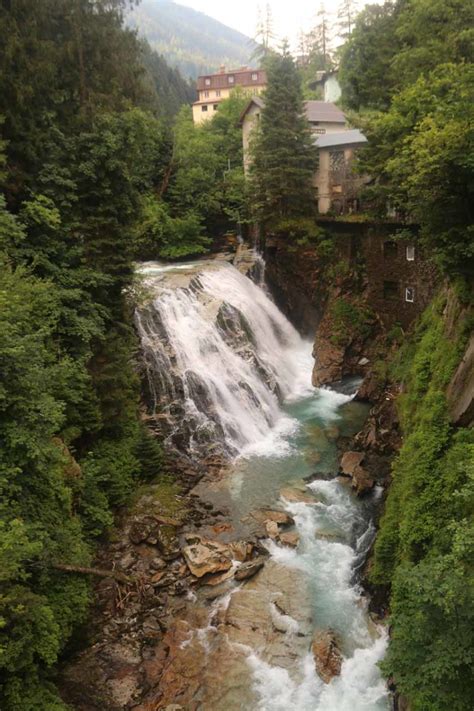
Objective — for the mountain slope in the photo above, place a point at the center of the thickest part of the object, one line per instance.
(190, 40)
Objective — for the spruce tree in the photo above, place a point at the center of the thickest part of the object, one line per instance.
(284, 156)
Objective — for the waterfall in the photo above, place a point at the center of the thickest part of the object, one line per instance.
(227, 373)
(219, 356)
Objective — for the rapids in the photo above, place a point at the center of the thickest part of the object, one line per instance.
(228, 372)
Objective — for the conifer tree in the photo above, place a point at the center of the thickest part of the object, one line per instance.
(346, 15)
(284, 156)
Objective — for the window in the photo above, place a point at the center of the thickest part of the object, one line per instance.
(216, 106)
(207, 82)
(336, 160)
(410, 252)
(255, 76)
(410, 294)
(218, 92)
(319, 130)
(206, 94)
(204, 107)
(230, 79)
(390, 290)
(390, 249)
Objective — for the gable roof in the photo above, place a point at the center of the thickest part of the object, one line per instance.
(352, 137)
(323, 111)
(254, 101)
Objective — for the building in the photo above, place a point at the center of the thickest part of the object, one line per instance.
(322, 117)
(328, 85)
(337, 185)
(214, 88)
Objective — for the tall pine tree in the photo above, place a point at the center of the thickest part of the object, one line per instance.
(284, 156)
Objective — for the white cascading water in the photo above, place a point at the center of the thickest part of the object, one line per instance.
(222, 347)
(220, 360)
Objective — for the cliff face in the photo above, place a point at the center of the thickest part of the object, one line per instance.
(418, 442)
(359, 282)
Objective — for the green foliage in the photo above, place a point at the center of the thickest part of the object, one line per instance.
(365, 77)
(82, 156)
(350, 320)
(283, 154)
(425, 545)
(408, 68)
(305, 232)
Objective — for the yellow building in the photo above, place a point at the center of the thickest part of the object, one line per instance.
(214, 88)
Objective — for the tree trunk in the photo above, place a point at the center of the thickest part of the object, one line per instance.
(99, 572)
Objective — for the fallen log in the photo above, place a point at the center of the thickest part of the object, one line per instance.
(99, 572)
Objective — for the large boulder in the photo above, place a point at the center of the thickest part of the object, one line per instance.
(280, 517)
(205, 556)
(351, 460)
(249, 569)
(291, 539)
(326, 653)
(362, 482)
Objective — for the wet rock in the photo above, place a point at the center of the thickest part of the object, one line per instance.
(351, 460)
(297, 495)
(329, 361)
(205, 556)
(291, 539)
(167, 542)
(326, 653)
(361, 481)
(218, 578)
(249, 569)
(139, 531)
(280, 517)
(271, 527)
(241, 550)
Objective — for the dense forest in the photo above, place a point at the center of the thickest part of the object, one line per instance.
(189, 40)
(101, 164)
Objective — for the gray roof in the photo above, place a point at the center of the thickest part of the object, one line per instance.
(352, 137)
(324, 111)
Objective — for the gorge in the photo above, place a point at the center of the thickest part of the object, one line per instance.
(279, 621)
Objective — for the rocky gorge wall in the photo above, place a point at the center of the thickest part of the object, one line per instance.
(417, 360)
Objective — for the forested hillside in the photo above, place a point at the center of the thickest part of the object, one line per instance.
(189, 40)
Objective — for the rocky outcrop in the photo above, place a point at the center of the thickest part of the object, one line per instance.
(249, 569)
(350, 460)
(290, 538)
(351, 465)
(460, 393)
(326, 653)
(204, 556)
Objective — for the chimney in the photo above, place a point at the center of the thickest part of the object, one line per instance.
(222, 69)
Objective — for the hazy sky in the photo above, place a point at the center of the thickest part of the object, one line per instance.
(289, 15)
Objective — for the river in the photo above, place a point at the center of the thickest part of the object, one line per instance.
(229, 373)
